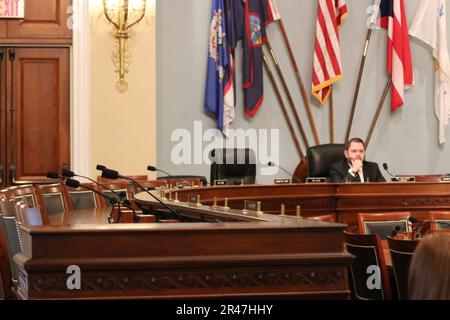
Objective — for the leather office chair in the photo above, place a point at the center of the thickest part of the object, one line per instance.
(234, 165)
(321, 157)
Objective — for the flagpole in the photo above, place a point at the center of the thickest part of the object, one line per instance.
(283, 107)
(331, 115)
(299, 80)
(380, 106)
(358, 84)
(288, 93)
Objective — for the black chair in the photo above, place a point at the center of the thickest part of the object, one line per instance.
(234, 165)
(321, 157)
(401, 253)
(369, 257)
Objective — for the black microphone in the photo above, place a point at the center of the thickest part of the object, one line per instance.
(53, 175)
(413, 219)
(100, 167)
(271, 164)
(385, 167)
(395, 231)
(76, 184)
(415, 231)
(113, 174)
(70, 174)
(153, 169)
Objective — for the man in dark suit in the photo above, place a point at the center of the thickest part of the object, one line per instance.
(354, 168)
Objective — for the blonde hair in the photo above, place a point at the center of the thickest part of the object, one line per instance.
(429, 273)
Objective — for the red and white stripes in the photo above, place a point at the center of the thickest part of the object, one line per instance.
(327, 67)
(399, 53)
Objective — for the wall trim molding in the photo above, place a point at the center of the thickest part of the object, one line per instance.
(80, 131)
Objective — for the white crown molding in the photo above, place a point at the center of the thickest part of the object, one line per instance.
(81, 90)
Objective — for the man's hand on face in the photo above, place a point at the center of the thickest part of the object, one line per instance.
(356, 165)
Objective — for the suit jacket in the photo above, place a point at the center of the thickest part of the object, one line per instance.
(339, 172)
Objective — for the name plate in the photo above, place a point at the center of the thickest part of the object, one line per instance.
(181, 185)
(253, 207)
(316, 180)
(12, 9)
(194, 200)
(403, 179)
(221, 182)
(445, 178)
(282, 181)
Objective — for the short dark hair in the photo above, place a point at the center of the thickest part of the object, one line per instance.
(357, 140)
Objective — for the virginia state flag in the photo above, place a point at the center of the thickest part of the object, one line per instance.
(219, 67)
(226, 29)
(258, 14)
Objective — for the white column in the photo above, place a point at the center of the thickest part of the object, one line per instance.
(81, 95)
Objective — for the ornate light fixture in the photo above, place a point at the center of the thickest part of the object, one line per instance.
(123, 14)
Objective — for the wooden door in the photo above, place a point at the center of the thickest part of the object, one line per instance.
(38, 97)
(3, 58)
(3, 27)
(44, 20)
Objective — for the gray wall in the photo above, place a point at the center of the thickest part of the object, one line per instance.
(406, 139)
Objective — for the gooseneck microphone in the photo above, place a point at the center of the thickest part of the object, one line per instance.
(113, 174)
(385, 167)
(70, 174)
(100, 167)
(153, 169)
(76, 184)
(271, 164)
(54, 175)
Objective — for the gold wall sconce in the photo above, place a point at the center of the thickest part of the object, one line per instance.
(123, 14)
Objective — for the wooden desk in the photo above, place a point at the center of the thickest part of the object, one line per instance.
(265, 256)
(342, 200)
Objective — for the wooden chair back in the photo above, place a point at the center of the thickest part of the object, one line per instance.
(54, 198)
(369, 267)
(383, 223)
(26, 193)
(401, 251)
(82, 198)
(440, 220)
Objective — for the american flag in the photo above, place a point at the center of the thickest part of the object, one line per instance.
(327, 67)
(399, 65)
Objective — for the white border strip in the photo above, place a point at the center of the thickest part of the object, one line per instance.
(80, 132)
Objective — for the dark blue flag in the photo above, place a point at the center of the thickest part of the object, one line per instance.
(258, 14)
(218, 63)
